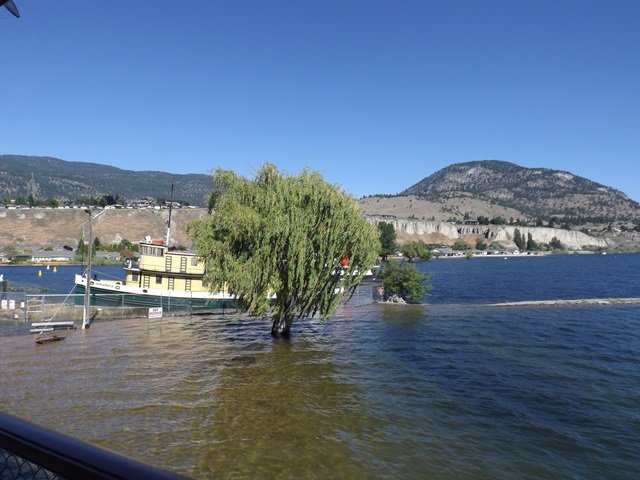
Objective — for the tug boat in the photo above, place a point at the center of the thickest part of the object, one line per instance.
(162, 277)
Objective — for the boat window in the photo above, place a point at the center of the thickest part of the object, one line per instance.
(158, 279)
(151, 251)
(134, 277)
(194, 261)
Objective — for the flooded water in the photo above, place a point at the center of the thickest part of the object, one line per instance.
(450, 390)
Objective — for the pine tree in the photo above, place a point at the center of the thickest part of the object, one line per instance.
(387, 239)
(519, 239)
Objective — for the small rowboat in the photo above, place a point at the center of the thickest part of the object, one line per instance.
(53, 338)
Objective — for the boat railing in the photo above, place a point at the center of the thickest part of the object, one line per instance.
(29, 451)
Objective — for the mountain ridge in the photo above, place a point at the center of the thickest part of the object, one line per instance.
(491, 188)
(535, 192)
(49, 177)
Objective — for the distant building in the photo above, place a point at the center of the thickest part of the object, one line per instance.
(49, 259)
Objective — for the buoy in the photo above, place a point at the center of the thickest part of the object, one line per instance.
(48, 267)
(55, 269)
(39, 273)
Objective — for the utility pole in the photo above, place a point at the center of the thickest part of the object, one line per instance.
(86, 311)
(169, 222)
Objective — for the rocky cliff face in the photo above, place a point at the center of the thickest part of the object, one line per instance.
(445, 232)
(572, 239)
(40, 227)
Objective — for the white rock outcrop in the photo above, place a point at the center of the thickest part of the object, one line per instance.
(572, 239)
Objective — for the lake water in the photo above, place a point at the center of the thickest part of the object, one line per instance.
(454, 389)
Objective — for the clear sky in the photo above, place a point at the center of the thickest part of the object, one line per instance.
(375, 95)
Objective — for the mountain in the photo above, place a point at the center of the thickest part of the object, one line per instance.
(47, 177)
(536, 193)
(488, 188)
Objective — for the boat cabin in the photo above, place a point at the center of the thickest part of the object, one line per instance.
(165, 269)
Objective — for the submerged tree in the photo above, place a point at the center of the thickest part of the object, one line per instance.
(296, 236)
(405, 280)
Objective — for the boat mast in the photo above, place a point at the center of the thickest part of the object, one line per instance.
(169, 222)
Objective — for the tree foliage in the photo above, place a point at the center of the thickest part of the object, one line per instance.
(387, 239)
(417, 249)
(405, 280)
(519, 239)
(288, 235)
(556, 244)
(459, 245)
(83, 250)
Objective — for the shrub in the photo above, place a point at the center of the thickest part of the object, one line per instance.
(405, 280)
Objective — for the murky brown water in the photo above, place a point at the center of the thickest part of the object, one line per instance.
(384, 392)
(208, 397)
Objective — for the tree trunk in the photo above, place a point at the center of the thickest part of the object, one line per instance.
(282, 326)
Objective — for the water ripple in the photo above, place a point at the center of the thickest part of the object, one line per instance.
(439, 391)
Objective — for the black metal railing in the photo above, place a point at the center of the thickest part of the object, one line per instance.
(28, 451)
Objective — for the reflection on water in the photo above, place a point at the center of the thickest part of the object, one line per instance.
(381, 391)
(204, 396)
(404, 314)
(277, 413)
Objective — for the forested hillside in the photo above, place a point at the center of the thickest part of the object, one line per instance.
(51, 178)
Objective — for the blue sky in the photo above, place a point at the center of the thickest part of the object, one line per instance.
(375, 95)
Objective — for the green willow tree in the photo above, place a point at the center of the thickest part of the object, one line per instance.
(288, 235)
